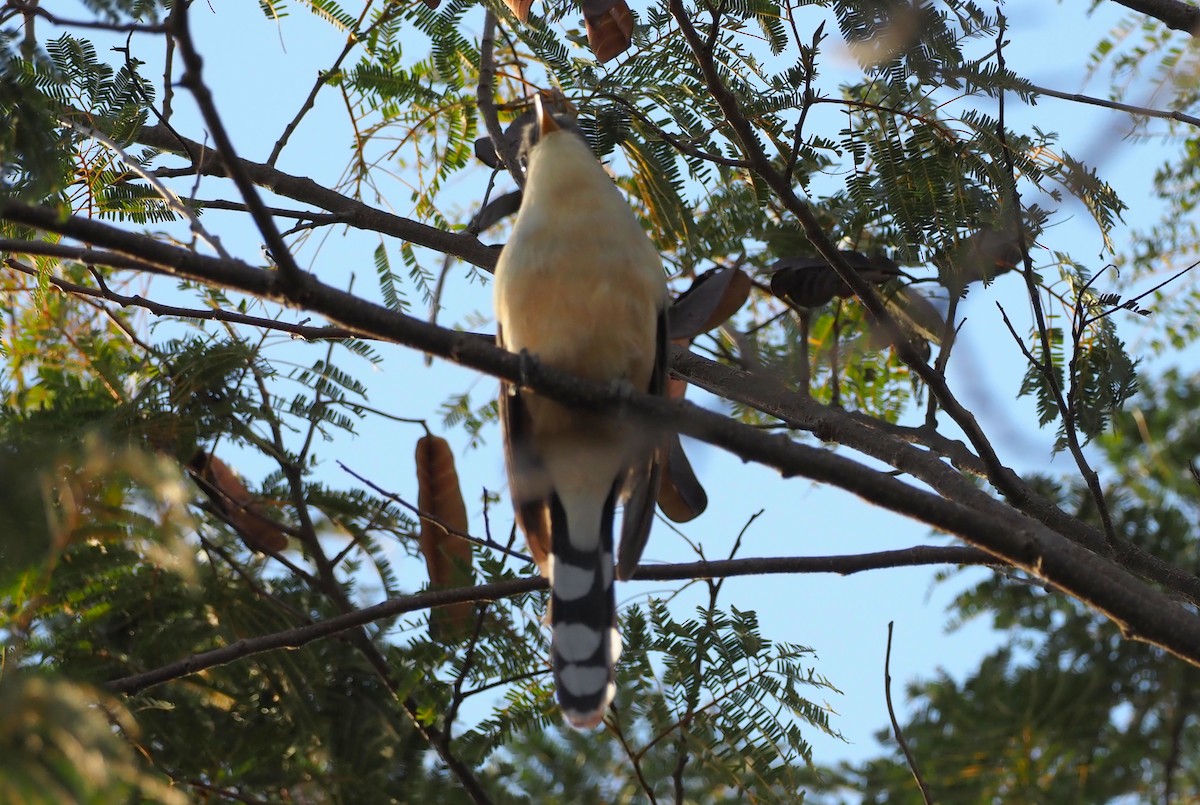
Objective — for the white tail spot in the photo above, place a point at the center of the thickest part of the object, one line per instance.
(571, 581)
(583, 680)
(575, 642)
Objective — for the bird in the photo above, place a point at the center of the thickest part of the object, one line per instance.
(579, 286)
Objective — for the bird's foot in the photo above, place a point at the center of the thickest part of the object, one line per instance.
(622, 389)
(525, 365)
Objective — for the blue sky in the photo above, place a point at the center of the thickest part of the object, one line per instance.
(260, 71)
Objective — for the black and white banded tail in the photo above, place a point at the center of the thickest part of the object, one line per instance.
(583, 612)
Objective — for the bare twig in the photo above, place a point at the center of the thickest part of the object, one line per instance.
(299, 188)
(1000, 476)
(484, 91)
(352, 39)
(32, 9)
(193, 79)
(303, 635)
(307, 332)
(1121, 107)
(392, 496)
(614, 726)
(683, 146)
(172, 200)
(1066, 404)
(908, 755)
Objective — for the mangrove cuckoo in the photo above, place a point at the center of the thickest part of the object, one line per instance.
(580, 287)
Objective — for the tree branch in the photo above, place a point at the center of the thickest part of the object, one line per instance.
(1143, 111)
(351, 211)
(1001, 477)
(303, 635)
(1141, 612)
(908, 755)
(892, 445)
(193, 79)
(87, 256)
(1174, 14)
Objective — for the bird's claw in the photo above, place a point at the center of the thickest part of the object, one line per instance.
(525, 364)
(622, 389)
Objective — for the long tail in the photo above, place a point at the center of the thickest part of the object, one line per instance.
(583, 613)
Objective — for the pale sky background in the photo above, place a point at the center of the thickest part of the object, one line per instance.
(260, 72)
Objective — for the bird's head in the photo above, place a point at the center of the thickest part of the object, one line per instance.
(552, 113)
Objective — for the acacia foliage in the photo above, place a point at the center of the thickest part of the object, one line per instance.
(1065, 710)
(118, 559)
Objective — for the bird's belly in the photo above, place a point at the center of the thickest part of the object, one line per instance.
(592, 326)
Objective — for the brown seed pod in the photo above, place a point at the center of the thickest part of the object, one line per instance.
(609, 27)
(447, 555)
(242, 509)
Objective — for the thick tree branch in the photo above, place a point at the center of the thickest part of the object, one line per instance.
(875, 439)
(1174, 14)
(1140, 611)
(484, 92)
(1066, 406)
(1001, 477)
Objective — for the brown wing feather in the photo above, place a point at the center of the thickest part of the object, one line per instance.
(644, 478)
(681, 496)
(531, 508)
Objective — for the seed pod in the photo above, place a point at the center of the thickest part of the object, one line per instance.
(447, 555)
(242, 509)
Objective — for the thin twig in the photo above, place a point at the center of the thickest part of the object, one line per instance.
(1121, 107)
(173, 201)
(1066, 404)
(392, 496)
(300, 188)
(307, 332)
(908, 755)
(484, 92)
(300, 636)
(677, 143)
(193, 79)
(32, 9)
(323, 77)
(614, 726)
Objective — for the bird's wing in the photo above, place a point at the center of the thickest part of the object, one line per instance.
(681, 496)
(645, 475)
(530, 503)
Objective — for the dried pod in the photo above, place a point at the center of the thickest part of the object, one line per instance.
(447, 555)
(242, 509)
(609, 27)
(519, 8)
(812, 282)
(711, 301)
